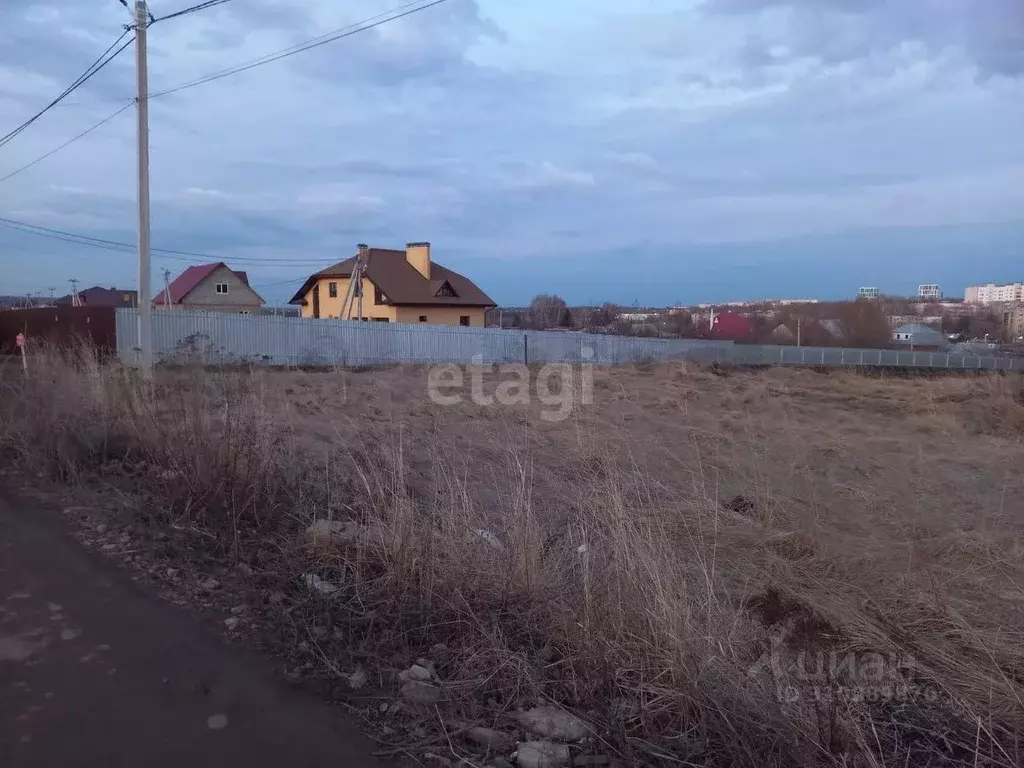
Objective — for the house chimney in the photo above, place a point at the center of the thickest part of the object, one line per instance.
(362, 248)
(418, 254)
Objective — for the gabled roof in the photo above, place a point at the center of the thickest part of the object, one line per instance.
(919, 330)
(184, 283)
(98, 296)
(402, 283)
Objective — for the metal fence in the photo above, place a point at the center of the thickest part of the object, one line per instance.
(768, 354)
(215, 337)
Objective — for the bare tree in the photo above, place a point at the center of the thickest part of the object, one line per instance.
(546, 310)
(864, 324)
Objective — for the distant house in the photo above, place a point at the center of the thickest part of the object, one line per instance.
(211, 288)
(103, 297)
(397, 287)
(921, 337)
(729, 326)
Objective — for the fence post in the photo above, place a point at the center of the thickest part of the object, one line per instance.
(862, 358)
(526, 349)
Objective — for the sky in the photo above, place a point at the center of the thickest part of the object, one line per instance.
(652, 152)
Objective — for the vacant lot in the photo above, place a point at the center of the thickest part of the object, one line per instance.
(784, 567)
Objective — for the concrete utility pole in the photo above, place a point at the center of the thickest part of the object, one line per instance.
(144, 309)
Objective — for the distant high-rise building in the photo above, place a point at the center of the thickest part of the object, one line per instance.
(990, 293)
(929, 291)
(867, 293)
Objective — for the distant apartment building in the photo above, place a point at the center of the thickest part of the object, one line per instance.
(868, 293)
(990, 293)
(929, 292)
(1013, 321)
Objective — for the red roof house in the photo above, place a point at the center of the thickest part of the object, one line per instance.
(210, 288)
(728, 326)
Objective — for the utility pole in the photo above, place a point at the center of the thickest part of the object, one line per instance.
(52, 300)
(798, 335)
(167, 289)
(144, 309)
(74, 292)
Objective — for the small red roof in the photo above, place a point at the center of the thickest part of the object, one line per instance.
(190, 278)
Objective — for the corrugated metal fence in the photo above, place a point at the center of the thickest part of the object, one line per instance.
(213, 337)
(769, 354)
(210, 337)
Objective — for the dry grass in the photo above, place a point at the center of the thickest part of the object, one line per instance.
(865, 533)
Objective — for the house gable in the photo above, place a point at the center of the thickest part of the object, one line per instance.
(222, 288)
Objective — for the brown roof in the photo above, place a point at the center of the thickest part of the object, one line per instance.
(402, 283)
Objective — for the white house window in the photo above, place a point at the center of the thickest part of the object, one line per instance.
(222, 287)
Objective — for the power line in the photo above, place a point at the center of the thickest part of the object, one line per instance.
(70, 141)
(166, 253)
(330, 37)
(373, 21)
(193, 9)
(95, 67)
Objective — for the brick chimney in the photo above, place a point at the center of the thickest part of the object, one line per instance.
(362, 249)
(418, 254)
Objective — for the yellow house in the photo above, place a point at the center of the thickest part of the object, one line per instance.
(396, 287)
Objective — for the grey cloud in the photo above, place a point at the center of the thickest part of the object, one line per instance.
(991, 33)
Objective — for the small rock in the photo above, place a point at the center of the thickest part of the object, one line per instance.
(553, 723)
(238, 610)
(171, 573)
(542, 754)
(415, 672)
(383, 707)
(210, 584)
(245, 569)
(217, 722)
(496, 741)
(357, 679)
(231, 623)
(419, 692)
(101, 528)
(322, 586)
(438, 649)
(324, 535)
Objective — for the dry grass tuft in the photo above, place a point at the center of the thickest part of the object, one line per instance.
(781, 568)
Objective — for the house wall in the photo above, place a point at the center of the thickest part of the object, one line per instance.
(442, 315)
(204, 297)
(330, 308)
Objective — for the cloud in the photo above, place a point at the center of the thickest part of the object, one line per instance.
(989, 33)
(517, 134)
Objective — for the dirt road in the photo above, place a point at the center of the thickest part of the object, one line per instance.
(95, 673)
